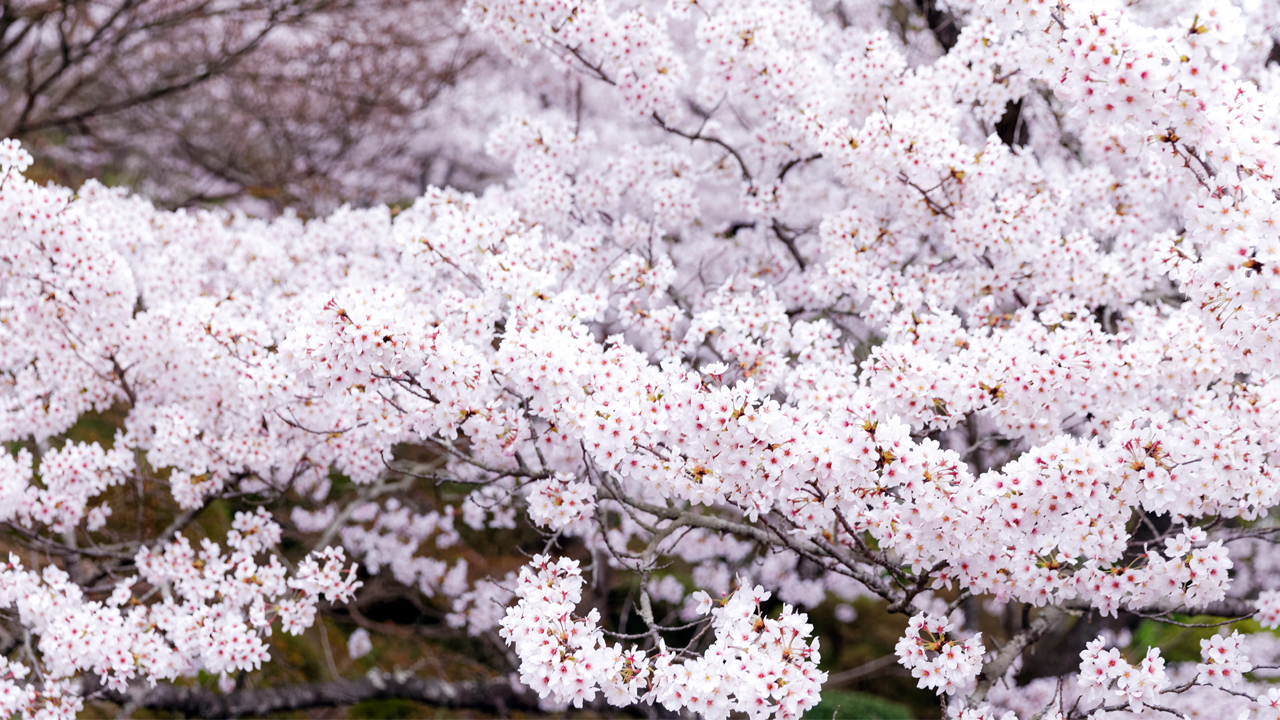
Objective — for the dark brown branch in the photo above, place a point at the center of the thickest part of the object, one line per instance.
(818, 546)
(1163, 618)
(782, 174)
(746, 174)
(597, 68)
(1227, 608)
(788, 238)
(928, 201)
(496, 696)
(119, 373)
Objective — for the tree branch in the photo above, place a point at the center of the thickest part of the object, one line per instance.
(995, 668)
(497, 696)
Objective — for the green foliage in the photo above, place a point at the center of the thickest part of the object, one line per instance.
(1182, 644)
(846, 705)
(99, 427)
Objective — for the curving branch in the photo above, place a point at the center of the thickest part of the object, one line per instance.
(1225, 608)
(742, 164)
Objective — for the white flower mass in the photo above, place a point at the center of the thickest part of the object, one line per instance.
(782, 306)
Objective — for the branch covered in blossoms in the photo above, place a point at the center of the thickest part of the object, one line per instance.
(770, 313)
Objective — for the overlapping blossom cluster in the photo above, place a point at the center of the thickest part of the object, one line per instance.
(559, 501)
(1102, 671)
(947, 665)
(216, 610)
(812, 307)
(758, 665)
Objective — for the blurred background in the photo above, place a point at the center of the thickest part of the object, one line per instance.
(265, 103)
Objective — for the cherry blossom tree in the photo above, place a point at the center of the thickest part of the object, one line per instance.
(958, 307)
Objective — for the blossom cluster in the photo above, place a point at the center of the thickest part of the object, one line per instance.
(1105, 673)
(1225, 660)
(559, 501)
(764, 667)
(215, 614)
(948, 666)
